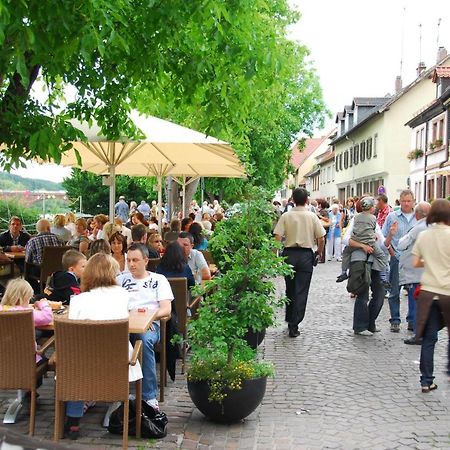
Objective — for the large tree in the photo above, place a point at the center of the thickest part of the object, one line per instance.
(214, 54)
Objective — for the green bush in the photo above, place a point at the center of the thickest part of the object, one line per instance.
(14, 207)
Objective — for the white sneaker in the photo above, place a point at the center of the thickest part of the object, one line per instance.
(363, 333)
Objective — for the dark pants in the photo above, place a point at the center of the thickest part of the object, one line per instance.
(366, 311)
(297, 286)
(430, 337)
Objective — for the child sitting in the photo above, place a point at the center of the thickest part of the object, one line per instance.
(65, 283)
(17, 298)
(364, 225)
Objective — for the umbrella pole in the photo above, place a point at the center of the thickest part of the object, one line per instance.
(112, 192)
(184, 197)
(160, 203)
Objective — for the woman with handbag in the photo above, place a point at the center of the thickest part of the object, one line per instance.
(432, 252)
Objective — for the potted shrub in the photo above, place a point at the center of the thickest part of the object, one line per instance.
(226, 378)
(415, 154)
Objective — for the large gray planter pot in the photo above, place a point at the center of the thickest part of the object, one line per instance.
(237, 405)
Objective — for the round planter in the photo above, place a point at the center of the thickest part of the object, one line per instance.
(254, 338)
(237, 405)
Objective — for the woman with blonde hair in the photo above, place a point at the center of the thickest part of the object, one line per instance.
(70, 222)
(59, 229)
(155, 245)
(109, 229)
(17, 297)
(100, 299)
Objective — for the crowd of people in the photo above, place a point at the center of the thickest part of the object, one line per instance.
(105, 273)
(382, 250)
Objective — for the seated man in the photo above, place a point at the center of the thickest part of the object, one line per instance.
(15, 239)
(195, 259)
(152, 291)
(35, 246)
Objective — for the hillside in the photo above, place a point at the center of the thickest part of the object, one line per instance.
(10, 182)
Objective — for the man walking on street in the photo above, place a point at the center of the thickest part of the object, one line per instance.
(301, 229)
(397, 225)
(409, 276)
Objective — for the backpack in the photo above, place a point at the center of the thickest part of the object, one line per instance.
(153, 424)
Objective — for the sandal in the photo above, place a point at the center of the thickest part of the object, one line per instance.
(429, 387)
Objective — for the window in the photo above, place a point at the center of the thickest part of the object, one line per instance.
(328, 174)
(346, 159)
(356, 155)
(359, 189)
(336, 162)
(340, 162)
(362, 151)
(375, 142)
(351, 157)
(366, 187)
(369, 148)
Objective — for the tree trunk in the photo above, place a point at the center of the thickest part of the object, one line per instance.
(177, 199)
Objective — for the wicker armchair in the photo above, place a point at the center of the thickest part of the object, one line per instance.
(18, 368)
(92, 364)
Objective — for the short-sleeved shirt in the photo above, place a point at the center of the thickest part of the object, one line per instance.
(196, 261)
(300, 227)
(145, 292)
(433, 246)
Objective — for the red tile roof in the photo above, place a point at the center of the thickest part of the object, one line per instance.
(298, 157)
(441, 72)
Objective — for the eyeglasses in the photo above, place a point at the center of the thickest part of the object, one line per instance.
(157, 241)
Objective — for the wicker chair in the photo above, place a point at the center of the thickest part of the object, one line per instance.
(92, 364)
(51, 262)
(18, 368)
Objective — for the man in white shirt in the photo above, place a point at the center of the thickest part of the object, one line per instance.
(152, 291)
(195, 259)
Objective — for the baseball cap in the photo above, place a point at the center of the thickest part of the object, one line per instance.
(367, 203)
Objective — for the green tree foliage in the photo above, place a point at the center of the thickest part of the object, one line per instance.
(95, 196)
(216, 56)
(13, 207)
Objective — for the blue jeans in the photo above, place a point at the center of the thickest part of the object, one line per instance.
(394, 295)
(430, 337)
(149, 382)
(366, 311)
(411, 317)
(74, 409)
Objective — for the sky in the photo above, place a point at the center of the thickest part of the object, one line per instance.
(356, 47)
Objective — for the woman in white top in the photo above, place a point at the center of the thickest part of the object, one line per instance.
(101, 299)
(432, 252)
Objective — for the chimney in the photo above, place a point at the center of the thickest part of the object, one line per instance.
(398, 84)
(441, 54)
(420, 68)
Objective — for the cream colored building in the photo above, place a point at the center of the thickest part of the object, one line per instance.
(373, 143)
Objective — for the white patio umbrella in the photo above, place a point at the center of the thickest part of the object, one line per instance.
(166, 149)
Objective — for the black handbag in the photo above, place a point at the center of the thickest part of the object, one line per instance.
(360, 277)
(153, 424)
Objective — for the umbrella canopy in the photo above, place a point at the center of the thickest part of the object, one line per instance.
(166, 149)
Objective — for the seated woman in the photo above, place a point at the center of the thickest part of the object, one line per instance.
(100, 299)
(17, 298)
(118, 244)
(59, 229)
(80, 240)
(99, 246)
(200, 242)
(155, 246)
(173, 264)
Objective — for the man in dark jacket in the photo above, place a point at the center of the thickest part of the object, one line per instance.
(15, 239)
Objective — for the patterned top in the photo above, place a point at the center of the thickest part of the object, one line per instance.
(382, 215)
(35, 246)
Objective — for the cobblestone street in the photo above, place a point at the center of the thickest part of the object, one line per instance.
(331, 390)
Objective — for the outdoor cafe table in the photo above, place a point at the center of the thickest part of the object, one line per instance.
(15, 255)
(139, 322)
